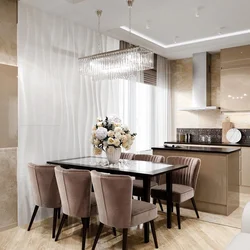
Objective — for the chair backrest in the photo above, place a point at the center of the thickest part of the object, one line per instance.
(152, 158)
(186, 176)
(127, 156)
(44, 186)
(114, 199)
(75, 191)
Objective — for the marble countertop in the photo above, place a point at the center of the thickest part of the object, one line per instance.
(211, 144)
(199, 149)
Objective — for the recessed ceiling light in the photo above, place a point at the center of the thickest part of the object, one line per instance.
(229, 96)
(245, 94)
(205, 39)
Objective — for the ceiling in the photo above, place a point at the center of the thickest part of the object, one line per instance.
(168, 19)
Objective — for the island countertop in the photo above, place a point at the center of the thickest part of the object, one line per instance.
(217, 150)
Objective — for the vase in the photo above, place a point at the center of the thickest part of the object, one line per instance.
(113, 155)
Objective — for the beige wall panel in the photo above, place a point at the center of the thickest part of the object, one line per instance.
(8, 187)
(8, 106)
(8, 32)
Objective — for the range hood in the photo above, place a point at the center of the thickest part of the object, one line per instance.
(201, 94)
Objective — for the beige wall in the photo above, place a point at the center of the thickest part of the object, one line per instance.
(181, 82)
(8, 114)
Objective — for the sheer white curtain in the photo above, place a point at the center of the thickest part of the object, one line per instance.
(57, 108)
(162, 103)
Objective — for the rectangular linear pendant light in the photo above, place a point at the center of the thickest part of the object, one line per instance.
(118, 64)
(205, 39)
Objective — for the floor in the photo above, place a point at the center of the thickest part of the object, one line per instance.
(210, 232)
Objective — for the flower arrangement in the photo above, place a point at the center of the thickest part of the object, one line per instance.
(111, 133)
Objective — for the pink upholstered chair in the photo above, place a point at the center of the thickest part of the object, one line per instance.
(184, 183)
(127, 156)
(138, 184)
(45, 191)
(116, 207)
(76, 196)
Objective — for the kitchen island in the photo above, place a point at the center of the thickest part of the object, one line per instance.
(218, 183)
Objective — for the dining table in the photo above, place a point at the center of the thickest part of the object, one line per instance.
(144, 170)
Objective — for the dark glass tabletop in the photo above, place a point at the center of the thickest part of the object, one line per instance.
(132, 167)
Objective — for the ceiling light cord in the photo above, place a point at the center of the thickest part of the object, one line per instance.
(130, 4)
(99, 13)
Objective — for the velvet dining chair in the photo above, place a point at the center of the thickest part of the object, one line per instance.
(76, 196)
(45, 191)
(138, 184)
(116, 207)
(127, 156)
(184, 183)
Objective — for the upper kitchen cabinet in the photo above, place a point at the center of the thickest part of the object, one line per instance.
(235, 79)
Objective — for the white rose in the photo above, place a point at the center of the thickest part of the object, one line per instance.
(118, 130)
(99, 119)
(99, 124)
(117, 142)
(111, 141)
(125, 144)
(111, 133)
(129, 136)
(96, 142)
(118, 136)
(127, 148)
(97, 151)
(124, 138)
(94, 128)
(101, 133)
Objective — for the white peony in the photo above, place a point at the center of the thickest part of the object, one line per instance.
(111, 133)
(101, 133)
(114, 119)
(124, 138)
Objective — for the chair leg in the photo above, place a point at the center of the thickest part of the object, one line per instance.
(54, 223)
(114, 231)
(64, 217)
(125, 239)
(154, 233)
(159, 201)
(33, 217)
(178, 215)
(59, 213)
(154, 201)
(195, 208)
(85, 223)
(99, 231)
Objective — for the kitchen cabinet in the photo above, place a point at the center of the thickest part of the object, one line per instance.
(235, 79)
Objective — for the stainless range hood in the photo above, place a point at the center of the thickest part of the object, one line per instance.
(201, 96)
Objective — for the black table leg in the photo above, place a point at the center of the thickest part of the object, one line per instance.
(146, 197)
(169, 198)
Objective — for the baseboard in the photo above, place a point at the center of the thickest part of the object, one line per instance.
(8, 227)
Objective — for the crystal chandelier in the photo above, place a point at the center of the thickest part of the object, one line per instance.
(117, 64)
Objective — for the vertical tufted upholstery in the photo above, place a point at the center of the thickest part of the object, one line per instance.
(44, 185)
(75, 191)
(152, 158)
(116, 207)
(114, 199)
(187, 176)
(127, 156)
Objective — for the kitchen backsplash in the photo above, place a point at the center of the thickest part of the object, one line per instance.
(200, 134)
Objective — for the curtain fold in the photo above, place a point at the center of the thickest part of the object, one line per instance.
(57, 106)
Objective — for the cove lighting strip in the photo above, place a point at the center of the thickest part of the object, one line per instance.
(210, 38)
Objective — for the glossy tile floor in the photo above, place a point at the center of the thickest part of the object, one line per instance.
(210, 232)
